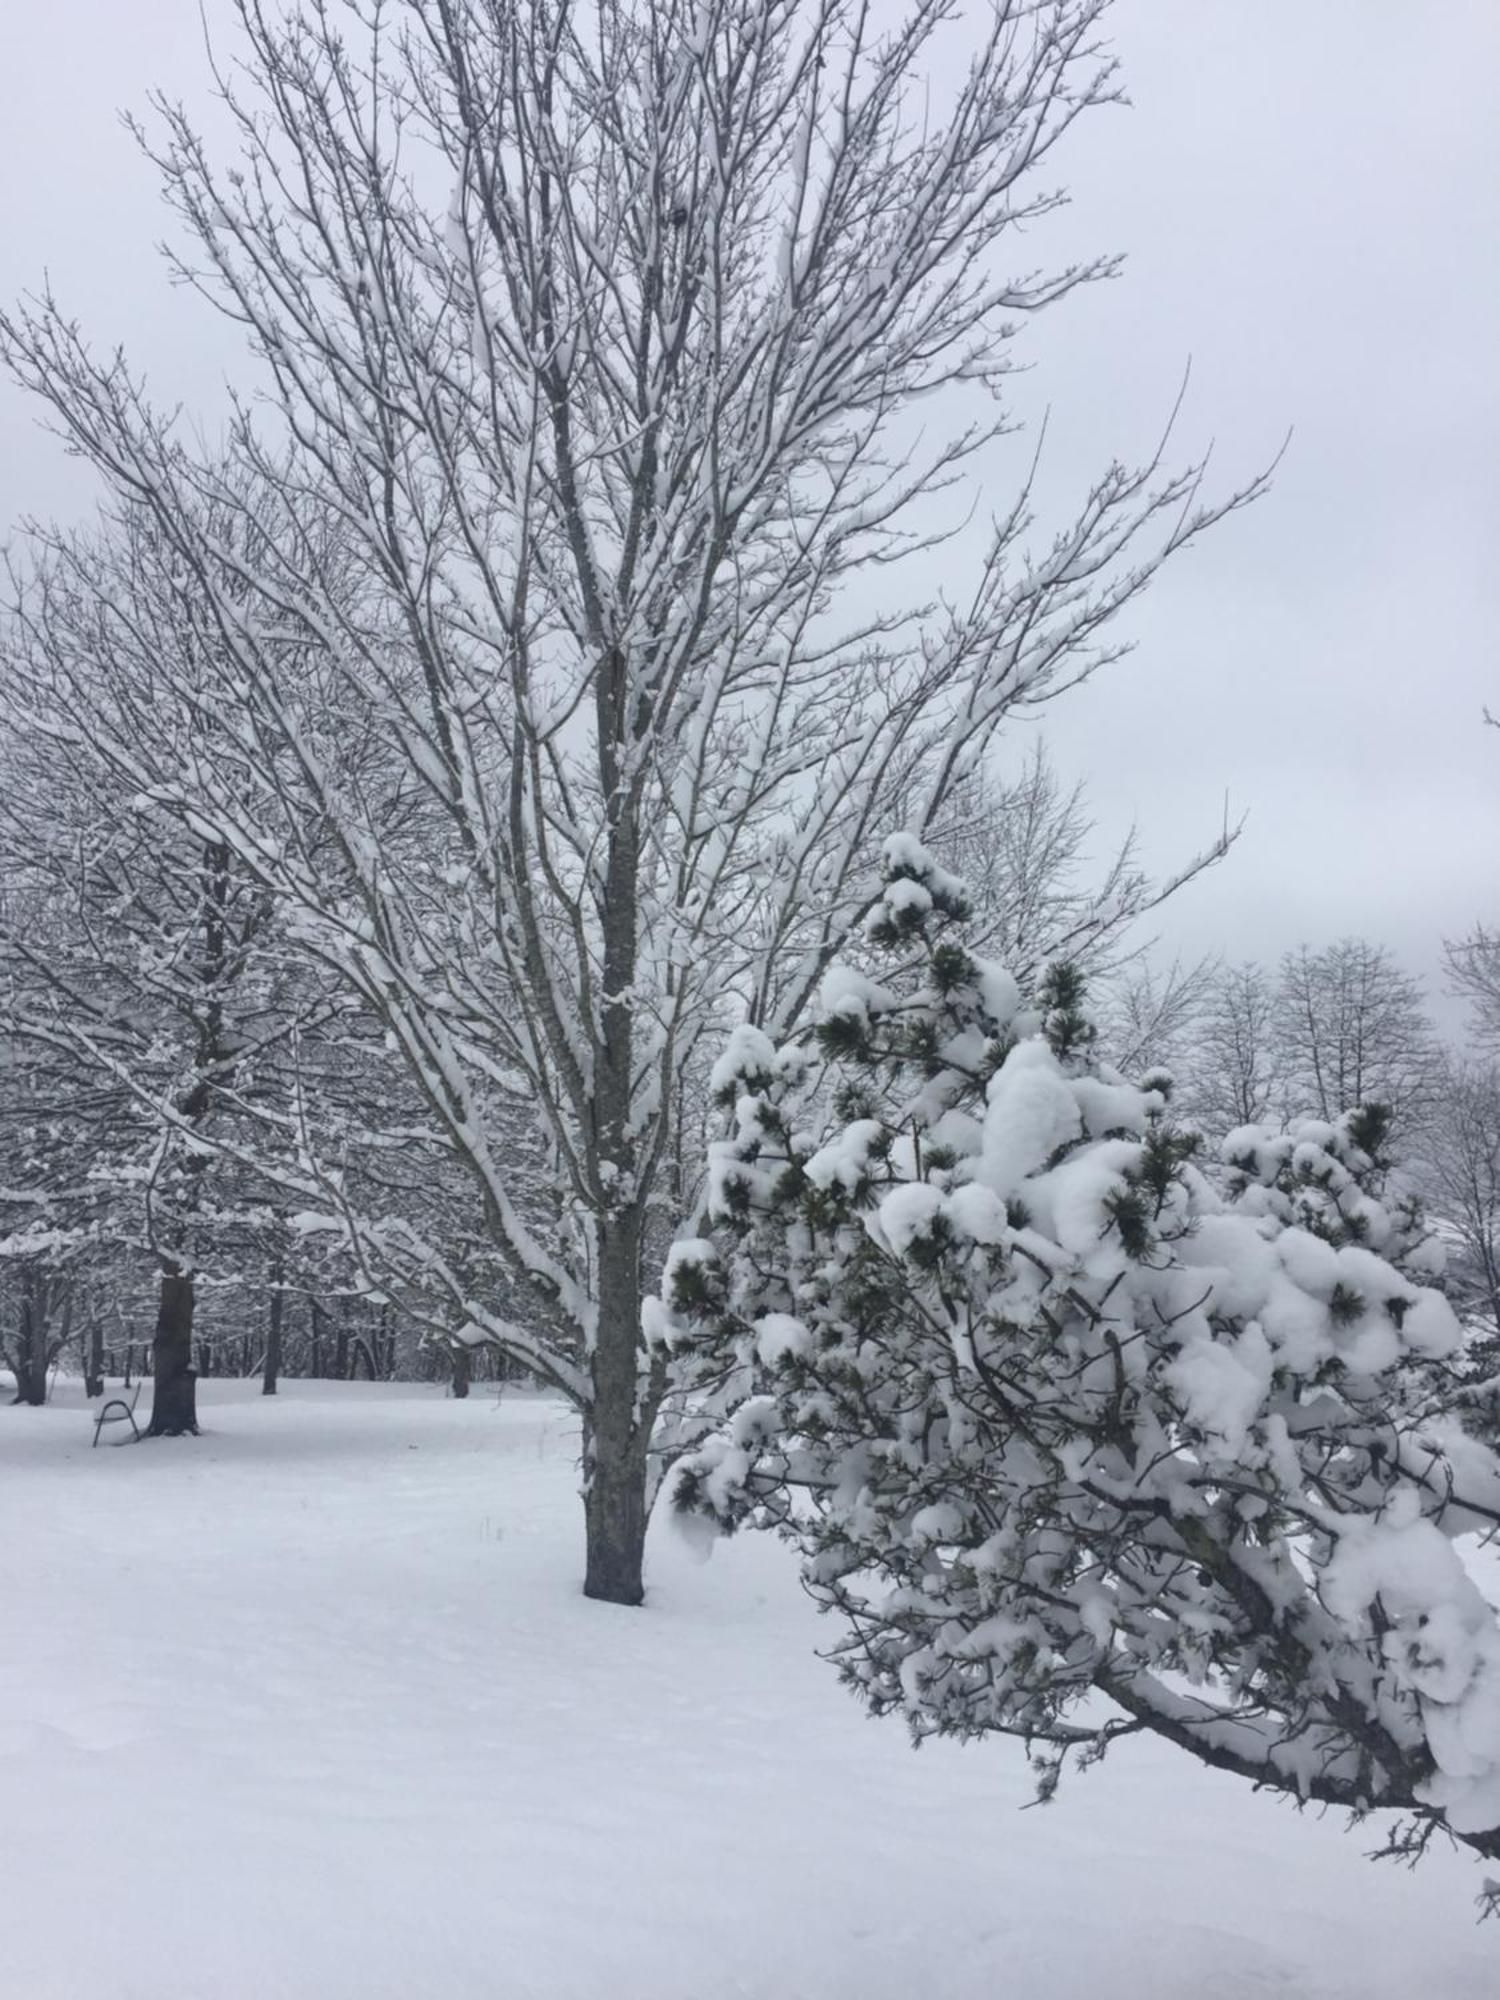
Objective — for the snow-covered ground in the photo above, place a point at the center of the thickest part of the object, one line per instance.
(311, 1709)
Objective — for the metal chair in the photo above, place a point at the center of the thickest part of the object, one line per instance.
(116, 1411)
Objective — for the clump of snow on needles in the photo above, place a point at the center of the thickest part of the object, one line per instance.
(749, 1055)
(1441, 1641)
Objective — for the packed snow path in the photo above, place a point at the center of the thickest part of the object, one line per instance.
(310, 1708)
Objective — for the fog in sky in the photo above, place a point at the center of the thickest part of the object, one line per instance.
(1308, 192)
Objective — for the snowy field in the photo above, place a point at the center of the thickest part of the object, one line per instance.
(311, 1709)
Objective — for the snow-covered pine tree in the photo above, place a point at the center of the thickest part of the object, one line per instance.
(1052, 1411)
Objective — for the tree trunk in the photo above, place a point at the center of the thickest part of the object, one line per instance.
(315, 1320)
(174, 1406)
(463, 1368)
(615, 1433)
(614, 1514)
(273, 1335)
(617, 1429)
(93, 1365)
(341, 1349)
(30, 1358)
(31, 1381)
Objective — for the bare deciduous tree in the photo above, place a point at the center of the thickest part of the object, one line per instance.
(152, 1005)
(1474, 972)
(1460, 1149)
(1352, 1029)
(1022, 844)
(1235, 1074)
(40, 1302)
(589, 337)
(1151, 1015)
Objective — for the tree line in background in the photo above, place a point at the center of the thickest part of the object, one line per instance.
(1245, 1044)
(1334, 1027)
(95, 1318)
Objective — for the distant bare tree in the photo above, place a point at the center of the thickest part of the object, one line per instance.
(39, 1309)
(1352, 1029)
(1474, 970)
(1461, 1174)
(1150, 1016)
(1021, 843)
(143, 984)
(1474, 974)
(1235, 1072)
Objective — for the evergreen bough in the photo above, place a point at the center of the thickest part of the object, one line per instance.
(1054, 1409)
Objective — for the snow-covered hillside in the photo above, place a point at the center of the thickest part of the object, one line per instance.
(311, 1709)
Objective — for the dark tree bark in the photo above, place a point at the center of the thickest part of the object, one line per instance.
(29, 1357)
(31, 1382)
(174, 1397)
(616, 1431)
(37, 1345)
(315, 1316)
(93, 1365)
(614, 1509)
(341, 1349)
(617, 1428)
(463, 1368)
(273, 1335)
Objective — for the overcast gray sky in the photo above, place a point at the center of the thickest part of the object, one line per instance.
(1309, 195)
